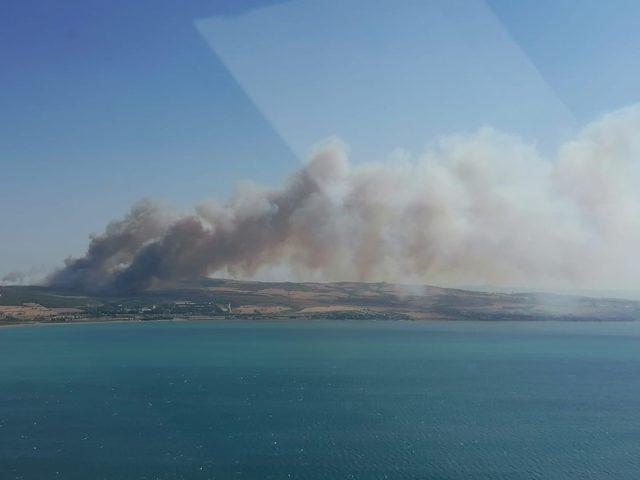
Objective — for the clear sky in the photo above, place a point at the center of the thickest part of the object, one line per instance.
(105, 102)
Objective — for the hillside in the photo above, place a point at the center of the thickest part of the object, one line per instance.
(215, 298)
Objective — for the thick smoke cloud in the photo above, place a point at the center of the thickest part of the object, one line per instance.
(483, 208)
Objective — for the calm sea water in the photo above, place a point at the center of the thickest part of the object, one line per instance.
(320, 400)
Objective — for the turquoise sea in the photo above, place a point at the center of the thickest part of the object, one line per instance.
(320, 400)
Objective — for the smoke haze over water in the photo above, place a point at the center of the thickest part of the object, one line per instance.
(483, 208)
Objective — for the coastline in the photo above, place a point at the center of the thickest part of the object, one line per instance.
(275, 318)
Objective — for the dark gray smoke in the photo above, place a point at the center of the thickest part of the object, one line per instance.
(483, 208)
(147, 246)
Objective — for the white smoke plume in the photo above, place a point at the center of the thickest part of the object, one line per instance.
(483, 208)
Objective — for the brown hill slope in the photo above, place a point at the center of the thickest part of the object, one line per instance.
(206, 298)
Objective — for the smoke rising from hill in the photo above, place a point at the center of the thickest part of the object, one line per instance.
(483, 208)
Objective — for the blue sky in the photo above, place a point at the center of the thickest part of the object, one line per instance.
(394, 74)
(107, 102)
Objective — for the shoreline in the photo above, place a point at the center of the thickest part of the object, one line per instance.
(36, 323)
(97, 320)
